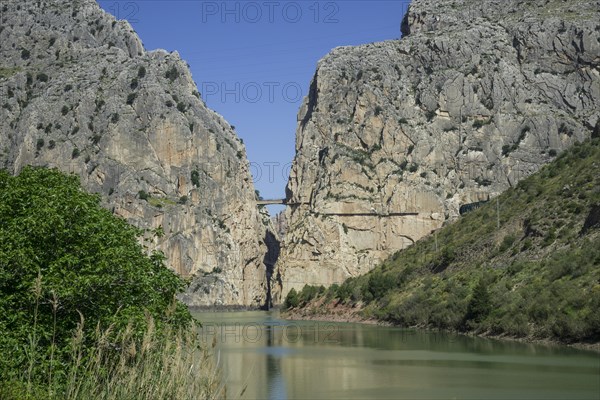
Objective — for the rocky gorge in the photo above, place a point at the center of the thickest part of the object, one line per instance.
(392, 139)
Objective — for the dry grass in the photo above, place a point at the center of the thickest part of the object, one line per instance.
(168, 365)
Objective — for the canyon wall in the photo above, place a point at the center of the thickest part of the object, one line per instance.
(395, 137)
(80, 93)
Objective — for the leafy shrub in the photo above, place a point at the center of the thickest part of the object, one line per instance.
(480, 123)
(62, 256)
(141, 71)
(195, 176)
(40, 144)
(25, 54)
(143, 195)
(99, 104)
(507, 242)
(172, 74)
(75, 153)
(42, 77)
(64, 110)
(291, 300)
(480, 304)
(131, 98)
(96, 138)
(377, 286)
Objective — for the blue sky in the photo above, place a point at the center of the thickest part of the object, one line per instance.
(253, 60)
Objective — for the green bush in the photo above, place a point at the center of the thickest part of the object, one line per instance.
(65, 262)
(131, 98)
(507, 243)
(143, 195)
(377, 286)
(480, 304)
(291, 300)
(195, 176)
(172, 74)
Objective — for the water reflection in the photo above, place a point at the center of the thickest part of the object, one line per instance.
(265, 357)
(275, 381)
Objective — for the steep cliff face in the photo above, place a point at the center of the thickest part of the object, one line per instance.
(79, 93)
(395, 137)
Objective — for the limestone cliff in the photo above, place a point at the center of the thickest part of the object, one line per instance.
(395, 137)
(80, 93)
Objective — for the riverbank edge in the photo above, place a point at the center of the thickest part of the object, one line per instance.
(224, 308)
(353, 317)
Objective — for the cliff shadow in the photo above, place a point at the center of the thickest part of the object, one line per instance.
(270, 259)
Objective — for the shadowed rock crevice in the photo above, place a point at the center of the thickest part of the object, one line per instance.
(269, 260)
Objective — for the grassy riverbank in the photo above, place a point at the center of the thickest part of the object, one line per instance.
(174, 364)
(535, 277)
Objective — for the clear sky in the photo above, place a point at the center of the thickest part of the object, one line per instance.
(253, 60)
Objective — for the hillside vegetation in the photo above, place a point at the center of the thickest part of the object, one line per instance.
(537, 275)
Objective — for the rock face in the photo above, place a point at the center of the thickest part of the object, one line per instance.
(79, 93)
(279, 224)
(395, 137)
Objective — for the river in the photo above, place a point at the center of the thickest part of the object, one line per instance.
(265, 357)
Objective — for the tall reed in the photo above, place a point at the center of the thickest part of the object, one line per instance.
(167, 364)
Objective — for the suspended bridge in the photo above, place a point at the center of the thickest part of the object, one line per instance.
(268, 202)
(284, 202)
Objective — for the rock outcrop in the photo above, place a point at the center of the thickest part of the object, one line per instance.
(395, 137)
(80, 93)
(279, 224)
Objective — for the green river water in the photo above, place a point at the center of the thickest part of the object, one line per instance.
(265, 357)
